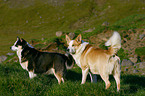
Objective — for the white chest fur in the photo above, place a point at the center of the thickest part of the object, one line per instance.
(78, 53)
(24, 65)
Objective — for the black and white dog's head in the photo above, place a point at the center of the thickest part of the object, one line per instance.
(20, 44)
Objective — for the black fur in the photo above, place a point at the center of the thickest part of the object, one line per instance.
(41, 62)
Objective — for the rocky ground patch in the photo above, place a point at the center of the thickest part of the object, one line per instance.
(131, 40)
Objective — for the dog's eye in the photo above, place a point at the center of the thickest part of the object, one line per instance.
(16, 45)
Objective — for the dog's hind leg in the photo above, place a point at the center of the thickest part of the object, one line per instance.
(62, 79)
(84, 75)
(106, 80)
(91, 77)
(58, 76)
(116, 75)
(117, 79)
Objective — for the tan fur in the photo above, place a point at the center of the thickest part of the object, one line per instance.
(98, 61)
(58, 76)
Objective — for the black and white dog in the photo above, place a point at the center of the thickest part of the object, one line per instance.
(36, 62)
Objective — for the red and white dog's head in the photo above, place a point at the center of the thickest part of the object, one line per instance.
(73, 45)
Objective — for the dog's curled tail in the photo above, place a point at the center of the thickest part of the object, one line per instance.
(69, 61)
(114, 42)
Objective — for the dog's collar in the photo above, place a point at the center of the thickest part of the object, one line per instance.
(86, 48)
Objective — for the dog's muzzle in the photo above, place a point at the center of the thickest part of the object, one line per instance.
(72, 51)
(13, 48)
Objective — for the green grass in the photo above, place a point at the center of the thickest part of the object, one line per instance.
(140, 51)
(15, 81)
(131, 22)
(36, 19)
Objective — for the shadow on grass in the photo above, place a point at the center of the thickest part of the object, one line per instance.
(130, 84)
(73, 76)
(135, 82)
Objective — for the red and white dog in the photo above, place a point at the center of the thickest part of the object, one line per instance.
(96, 60)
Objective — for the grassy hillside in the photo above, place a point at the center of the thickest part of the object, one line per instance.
(14, 81)
(36, 19)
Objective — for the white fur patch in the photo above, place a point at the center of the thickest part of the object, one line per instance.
(19, 53)
(114, 41)
(71, 48)
(14, 48)
(78, 53)
(32, 74)
(24, 65)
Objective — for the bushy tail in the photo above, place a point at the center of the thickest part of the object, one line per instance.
(115, 43)
(69, 61)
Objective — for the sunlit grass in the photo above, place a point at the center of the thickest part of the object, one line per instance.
(15, 81)
(41, 20)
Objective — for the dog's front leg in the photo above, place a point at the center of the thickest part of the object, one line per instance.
(32, 74)
(84, 75)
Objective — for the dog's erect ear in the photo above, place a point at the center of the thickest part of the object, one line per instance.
(67, 39)
(24, 43)
(22, 40)
(18, 38)
(79, 38)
